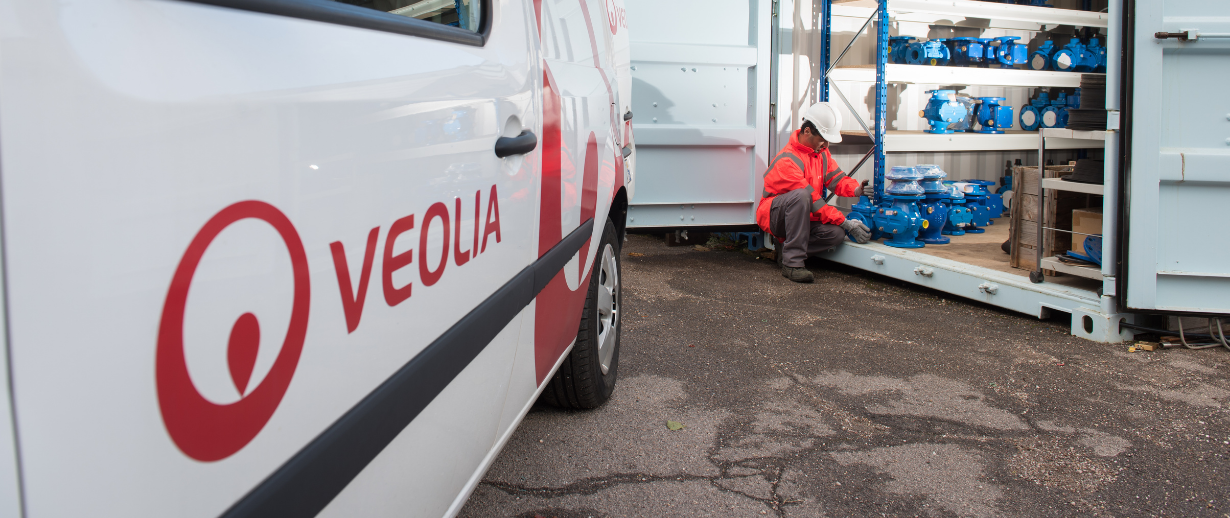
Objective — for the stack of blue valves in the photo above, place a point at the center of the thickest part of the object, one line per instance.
(934, 206)
(1004, 51)
(1049, 113)
(946, 114)
(1076, 56)
(919, 208)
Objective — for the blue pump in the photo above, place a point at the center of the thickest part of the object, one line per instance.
(1005, 51)
(896, 48)
(1041, 58)
(967, 51)
(942, 110)
(930, 52)
(992, 116)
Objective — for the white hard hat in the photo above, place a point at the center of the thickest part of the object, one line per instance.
(827, 119)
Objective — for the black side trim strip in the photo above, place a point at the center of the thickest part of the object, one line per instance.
(307, 482)
(354, 16)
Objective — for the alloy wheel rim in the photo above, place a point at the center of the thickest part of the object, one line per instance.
(608, 307)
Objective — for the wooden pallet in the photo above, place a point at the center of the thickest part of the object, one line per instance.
(1056, 214)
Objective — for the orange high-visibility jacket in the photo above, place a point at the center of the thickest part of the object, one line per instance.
(801, 167)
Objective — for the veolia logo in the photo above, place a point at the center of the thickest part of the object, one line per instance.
(616, 16)
(204, 430)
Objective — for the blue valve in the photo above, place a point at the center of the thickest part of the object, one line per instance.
(1005, 51)
(1095, 57)
(1031, 114)
(976, 202)
(993, 202)
(1041, 58)
(967, 51)
(942, 110)
(959, 216)
(1080, 57)
(1056, 115)
(864, 211)
(930, 52)
(897, 46)
(992, 116)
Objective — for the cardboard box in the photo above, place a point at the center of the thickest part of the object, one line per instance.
(1086, 221)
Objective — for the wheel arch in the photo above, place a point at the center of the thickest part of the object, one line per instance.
(619, 211)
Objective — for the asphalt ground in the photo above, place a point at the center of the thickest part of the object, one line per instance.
(862, 396)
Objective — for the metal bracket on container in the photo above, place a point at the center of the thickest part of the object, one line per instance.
(923, 271)
(878, 259)
(988, 288)
(1189, 35)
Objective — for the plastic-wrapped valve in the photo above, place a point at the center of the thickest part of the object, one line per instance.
(903, 181)
(932, 178)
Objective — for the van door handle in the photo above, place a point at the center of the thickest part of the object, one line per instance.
(518, 145)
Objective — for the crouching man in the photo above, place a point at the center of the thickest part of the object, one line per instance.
(792, 207)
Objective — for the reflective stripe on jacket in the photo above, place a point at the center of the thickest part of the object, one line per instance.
(801, 167)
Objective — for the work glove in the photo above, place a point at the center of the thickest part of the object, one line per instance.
(857, 230)
(868, 190)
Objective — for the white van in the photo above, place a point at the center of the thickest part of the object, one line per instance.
(301, 257)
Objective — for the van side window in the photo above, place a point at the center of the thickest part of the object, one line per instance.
(465, 14)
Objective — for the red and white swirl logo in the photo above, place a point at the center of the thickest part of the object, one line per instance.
(616, 16)
(204, 430)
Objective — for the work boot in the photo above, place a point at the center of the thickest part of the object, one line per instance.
(797, 274)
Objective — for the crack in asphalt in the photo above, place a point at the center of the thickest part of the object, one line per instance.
(593, 485)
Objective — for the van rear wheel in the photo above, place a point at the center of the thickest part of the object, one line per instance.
(587, 376)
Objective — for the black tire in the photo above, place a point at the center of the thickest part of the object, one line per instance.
(580, 383)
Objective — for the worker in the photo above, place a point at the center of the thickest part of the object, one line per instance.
(793, 208)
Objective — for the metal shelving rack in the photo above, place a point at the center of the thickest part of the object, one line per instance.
(1094, 315)
(994, 14)
(1091, 139)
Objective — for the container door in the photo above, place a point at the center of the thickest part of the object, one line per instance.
(700, 92)
(1177, 257)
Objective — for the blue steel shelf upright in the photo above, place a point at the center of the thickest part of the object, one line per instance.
(880, 15)
(881, 95)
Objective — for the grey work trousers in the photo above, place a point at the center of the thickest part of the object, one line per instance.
(790, 221)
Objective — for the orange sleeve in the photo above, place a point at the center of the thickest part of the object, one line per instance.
(829, 215)
(848, 188)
